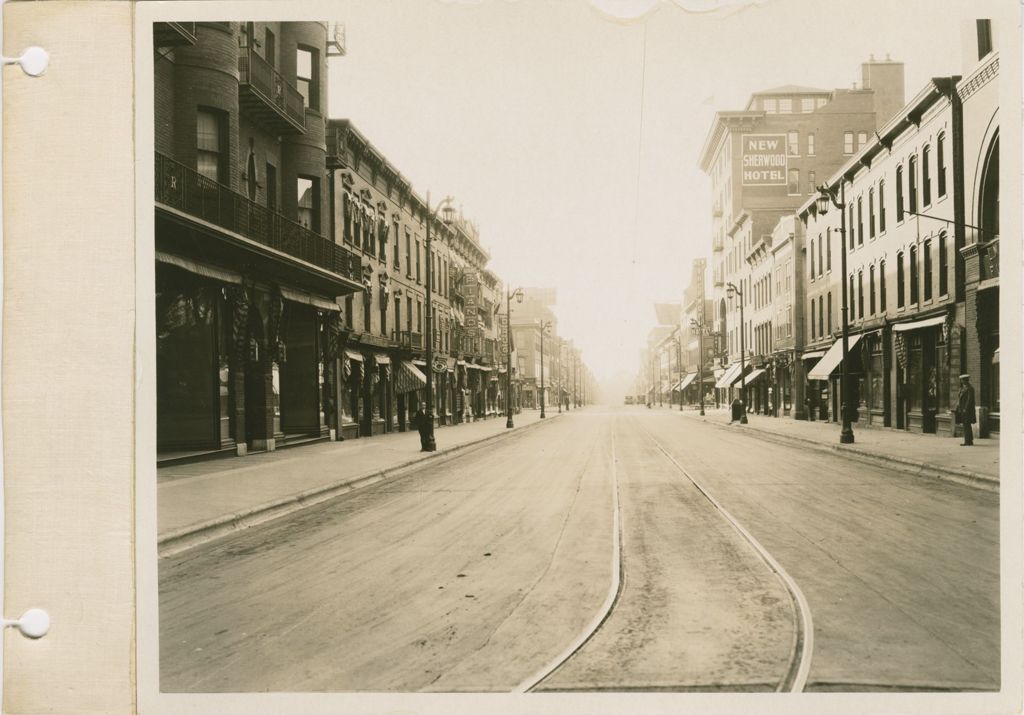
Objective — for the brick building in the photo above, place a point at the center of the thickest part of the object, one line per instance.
(763, 162)
(249, 327)
(978, 92)
(904, 284)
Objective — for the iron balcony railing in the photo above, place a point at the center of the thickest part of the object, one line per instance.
(186, 190)
(266, 81)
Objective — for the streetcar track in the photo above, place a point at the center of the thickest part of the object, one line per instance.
(614, 592)
(795, 679)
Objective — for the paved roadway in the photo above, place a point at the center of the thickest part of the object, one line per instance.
(483, 573)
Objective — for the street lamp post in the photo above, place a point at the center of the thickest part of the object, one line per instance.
(518, 293)
(825, 197)
(447, 212)
(699, 327)
(733, 288)
(544, 326)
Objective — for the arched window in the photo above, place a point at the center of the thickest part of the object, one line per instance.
(899, 193)
(881, 206)
(940, 158)
(871, 212)
(988, 203)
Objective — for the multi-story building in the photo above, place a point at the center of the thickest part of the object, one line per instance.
(375, 212)
(764, 162)
(902, 231)
(786, 377)
(978, 93)
(249, 328)
(695, 332)
(527, 318)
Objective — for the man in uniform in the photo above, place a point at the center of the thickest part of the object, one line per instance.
(965, 412)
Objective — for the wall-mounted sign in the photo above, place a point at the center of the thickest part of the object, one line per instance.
(764, 160)
(470, 297)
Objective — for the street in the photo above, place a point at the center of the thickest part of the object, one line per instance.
(607, 529)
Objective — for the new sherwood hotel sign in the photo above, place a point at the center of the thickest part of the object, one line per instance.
(764, 160)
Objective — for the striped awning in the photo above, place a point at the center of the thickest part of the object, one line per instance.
(730, 376)
(408, 378)
(749, 378)
(832, 358)
(687, 380)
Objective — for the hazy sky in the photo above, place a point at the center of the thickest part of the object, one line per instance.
(572, 138)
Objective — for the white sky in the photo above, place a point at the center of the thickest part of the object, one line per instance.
(575, 148)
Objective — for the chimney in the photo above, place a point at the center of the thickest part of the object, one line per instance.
(885, 79)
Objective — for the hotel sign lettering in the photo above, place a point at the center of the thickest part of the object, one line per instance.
(470, 296)
(764, 160)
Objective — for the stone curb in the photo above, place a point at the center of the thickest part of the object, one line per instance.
(189, 537)
(901, 464)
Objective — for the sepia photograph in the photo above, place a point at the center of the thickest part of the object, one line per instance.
(582, 347)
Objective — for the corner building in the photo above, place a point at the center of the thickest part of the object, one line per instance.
(764, 161)
(248, 321)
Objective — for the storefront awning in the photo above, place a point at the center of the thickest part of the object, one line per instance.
(749, 377)
(813, 354)
(421, 363)
(995, 357)
(832, 358)
(382, 359)
(687, 380)
(730, 375)
(918, 324)
(353, 355)
(301, 296)
(408, 378)
(200, 269)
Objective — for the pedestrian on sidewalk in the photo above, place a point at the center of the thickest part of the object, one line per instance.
(422, 423)
(965, 412)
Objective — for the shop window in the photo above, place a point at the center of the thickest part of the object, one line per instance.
(927, 255)
(877, 369)
(914, 371)
(210, 144)
(940, 158)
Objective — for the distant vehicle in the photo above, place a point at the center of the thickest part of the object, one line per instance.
(629, 399)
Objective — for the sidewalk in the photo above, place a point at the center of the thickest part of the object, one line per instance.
(923, 454)
(204, 500)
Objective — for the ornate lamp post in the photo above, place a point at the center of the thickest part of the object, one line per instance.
(518, 293)
(827, 196)
(734, 289)
(447, 212)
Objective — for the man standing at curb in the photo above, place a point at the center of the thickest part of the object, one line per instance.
(423, 425)
(965, 413)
